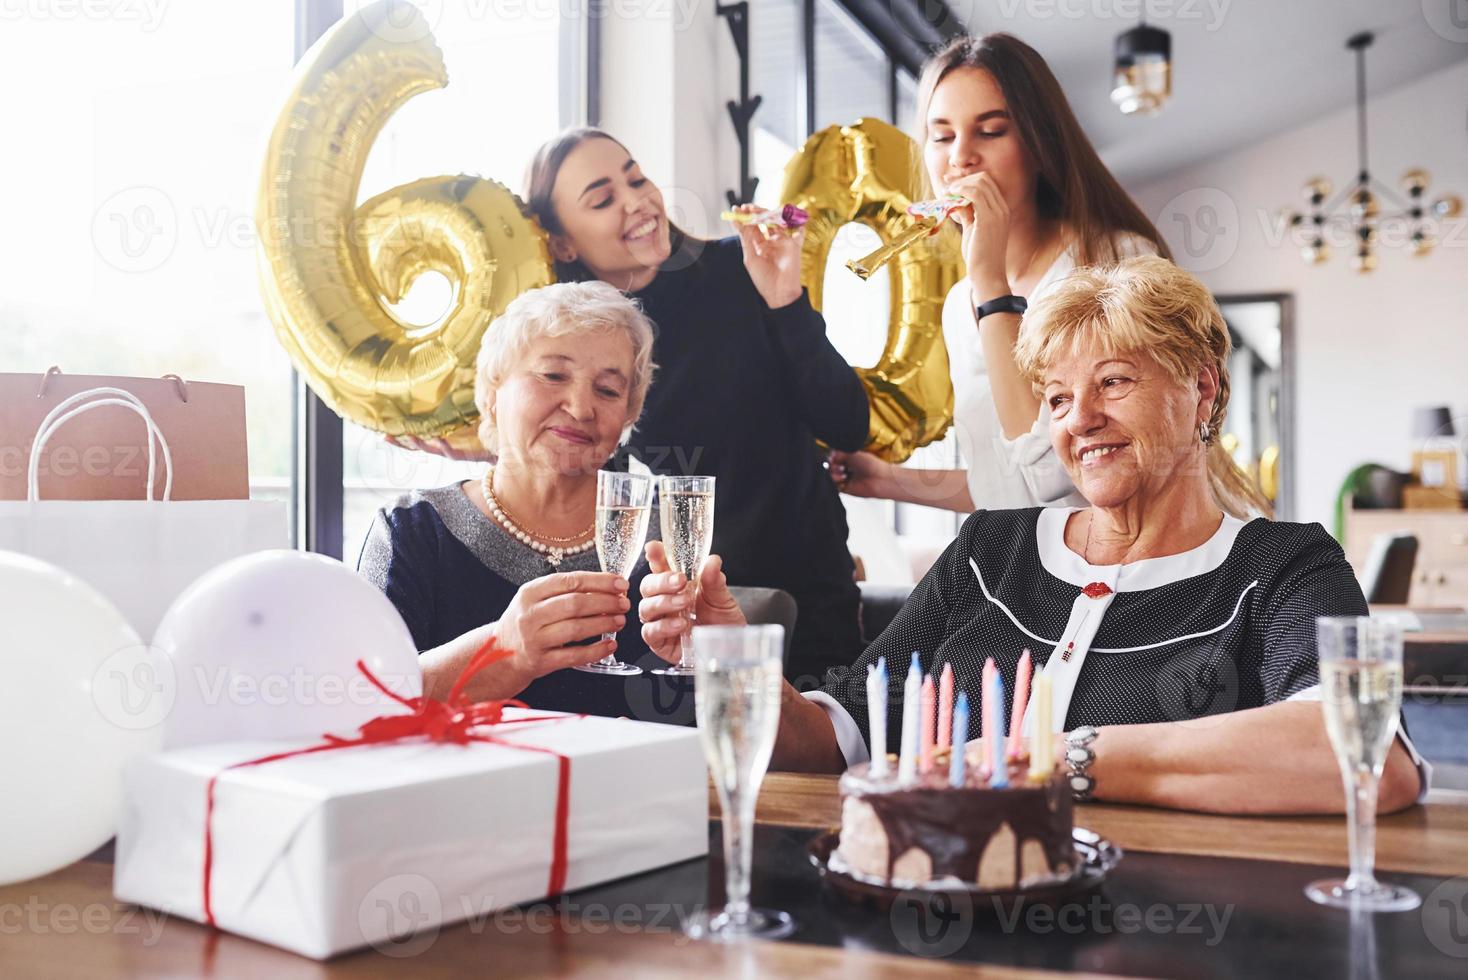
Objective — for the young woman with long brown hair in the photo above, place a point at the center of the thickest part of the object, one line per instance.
(746, 385)
(995, 128)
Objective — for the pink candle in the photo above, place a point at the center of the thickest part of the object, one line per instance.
(945, 708)
(1021, 701)
(925, 747)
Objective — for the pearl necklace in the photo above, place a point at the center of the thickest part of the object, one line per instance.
(554, 554)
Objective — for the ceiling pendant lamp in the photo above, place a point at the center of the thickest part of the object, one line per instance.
(1142, 78)
(1355, 215)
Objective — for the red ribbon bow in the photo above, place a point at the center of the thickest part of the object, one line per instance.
(451, 720)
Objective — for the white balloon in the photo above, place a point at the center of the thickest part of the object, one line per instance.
(76, 686)
(265, 647)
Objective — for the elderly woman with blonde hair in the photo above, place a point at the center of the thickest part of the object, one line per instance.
(1177, 630)
(562, 377)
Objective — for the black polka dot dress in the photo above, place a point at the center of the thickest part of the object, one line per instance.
(1226, 626)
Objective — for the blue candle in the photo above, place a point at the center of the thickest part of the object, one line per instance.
(995, 739)
(877, 715)
(960, 738)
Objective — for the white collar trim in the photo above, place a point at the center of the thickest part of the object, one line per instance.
(1147, 573)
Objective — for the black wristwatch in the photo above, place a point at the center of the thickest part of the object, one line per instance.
(1002, 304)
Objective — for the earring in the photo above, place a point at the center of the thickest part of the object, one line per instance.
(1205, 433)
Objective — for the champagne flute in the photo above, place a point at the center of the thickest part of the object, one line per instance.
(1361, 691)
(736, 696)
(623, 503)
(686, 508)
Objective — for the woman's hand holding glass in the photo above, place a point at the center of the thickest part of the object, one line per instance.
(665, 596)
(550, 615)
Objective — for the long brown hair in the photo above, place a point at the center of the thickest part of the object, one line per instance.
(540, 183)
(1074, 186)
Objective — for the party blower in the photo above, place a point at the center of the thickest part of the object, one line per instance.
(930, 215)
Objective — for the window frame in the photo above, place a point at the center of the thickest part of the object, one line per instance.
(318, 497)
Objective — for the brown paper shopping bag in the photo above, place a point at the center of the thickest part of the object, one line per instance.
(141, 554)
(103, 455)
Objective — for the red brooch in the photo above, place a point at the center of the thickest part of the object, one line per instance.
(1096, 590)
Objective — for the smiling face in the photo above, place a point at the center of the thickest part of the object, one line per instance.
(611, 216)
(969, 131)
(1123, 427)
(566, 403)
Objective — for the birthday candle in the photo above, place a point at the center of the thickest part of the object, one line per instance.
(911, 692)
(877, 715)
(1041, 762)
(987, 720)
(995, 695)
(945, 708)
(960, 727)
(1021, 701)
(925, 749)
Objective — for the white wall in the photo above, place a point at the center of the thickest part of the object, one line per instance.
(1369, 348)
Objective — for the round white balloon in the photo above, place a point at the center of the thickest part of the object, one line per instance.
(265, 647)
(77, 692)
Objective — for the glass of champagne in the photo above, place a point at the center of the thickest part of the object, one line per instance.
(1361, 691)
(736, 695)
(686, 509)
(623, 503)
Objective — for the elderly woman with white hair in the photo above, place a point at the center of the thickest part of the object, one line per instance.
(1176, 628)
(562, 376)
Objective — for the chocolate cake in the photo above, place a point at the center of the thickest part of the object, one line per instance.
(928, 833)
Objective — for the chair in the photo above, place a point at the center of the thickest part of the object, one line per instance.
(767, 606)
(1387, 576)
(880, 605)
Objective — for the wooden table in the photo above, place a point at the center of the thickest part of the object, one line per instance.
(67, 925)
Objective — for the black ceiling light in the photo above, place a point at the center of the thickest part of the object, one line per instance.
(1142, 79)
(1361, 217)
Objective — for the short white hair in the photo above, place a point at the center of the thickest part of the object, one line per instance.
(564, 309)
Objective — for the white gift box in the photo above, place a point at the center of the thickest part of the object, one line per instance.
(323, 853)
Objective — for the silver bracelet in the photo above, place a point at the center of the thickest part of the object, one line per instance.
(1078, 758)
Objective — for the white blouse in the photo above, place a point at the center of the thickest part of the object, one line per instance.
(1005, 473)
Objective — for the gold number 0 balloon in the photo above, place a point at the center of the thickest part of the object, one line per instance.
(329, 270)
(868, 173)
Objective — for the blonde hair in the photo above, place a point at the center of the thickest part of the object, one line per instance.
(565, 309)
(1145, 304)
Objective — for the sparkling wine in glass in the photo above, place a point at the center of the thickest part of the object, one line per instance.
(736, 694)
(1361, 692)
(686, 509)
(623, 503)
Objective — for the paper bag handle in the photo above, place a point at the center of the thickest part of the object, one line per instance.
(126, 399)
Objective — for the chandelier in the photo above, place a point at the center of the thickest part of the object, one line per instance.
(1142, 74)
(1356, 212)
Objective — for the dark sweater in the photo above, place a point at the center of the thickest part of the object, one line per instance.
(742, 394)
(448, 569)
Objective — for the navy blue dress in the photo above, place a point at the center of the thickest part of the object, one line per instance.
(450, 569)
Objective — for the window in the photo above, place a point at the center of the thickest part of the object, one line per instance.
(513, 71)
(777, 130)
(133, 161)
(851, 70)
(906, 103)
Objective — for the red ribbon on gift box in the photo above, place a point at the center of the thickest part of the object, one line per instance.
(450, 720)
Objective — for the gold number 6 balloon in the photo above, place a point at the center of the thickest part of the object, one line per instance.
(330, 270)
(868, 173)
